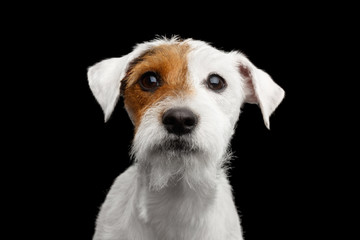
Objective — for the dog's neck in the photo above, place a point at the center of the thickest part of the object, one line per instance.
(170, 200)
(184, 187)
(180, 190)
(191, 173)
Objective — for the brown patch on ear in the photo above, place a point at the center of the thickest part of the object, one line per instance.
(249, 86)
(170, 63)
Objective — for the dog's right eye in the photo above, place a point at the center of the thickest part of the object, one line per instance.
(149, 82)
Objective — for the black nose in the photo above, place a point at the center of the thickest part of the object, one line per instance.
(179, 121)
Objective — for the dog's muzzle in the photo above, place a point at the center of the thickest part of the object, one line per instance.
(179, 121)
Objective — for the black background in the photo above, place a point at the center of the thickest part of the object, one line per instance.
(283, 179)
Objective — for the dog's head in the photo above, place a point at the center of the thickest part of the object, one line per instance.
(184, 99)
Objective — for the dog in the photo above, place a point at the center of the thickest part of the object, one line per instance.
(184, 98)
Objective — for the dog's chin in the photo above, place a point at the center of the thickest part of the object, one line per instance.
(175, 160)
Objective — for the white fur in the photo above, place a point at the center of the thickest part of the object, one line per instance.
(172, 194)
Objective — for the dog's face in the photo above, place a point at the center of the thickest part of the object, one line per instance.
(184, 98)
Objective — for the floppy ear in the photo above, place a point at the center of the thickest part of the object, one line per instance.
(105, 79)
(260, 89)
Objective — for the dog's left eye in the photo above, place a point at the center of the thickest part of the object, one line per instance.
(149, 82)
(216, 83)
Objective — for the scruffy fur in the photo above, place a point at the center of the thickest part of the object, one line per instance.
(177, 188)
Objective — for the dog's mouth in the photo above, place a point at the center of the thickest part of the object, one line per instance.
(180, 145)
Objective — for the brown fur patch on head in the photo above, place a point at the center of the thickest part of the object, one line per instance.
(169, 62)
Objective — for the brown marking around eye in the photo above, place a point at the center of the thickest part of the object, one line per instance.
(170, 63)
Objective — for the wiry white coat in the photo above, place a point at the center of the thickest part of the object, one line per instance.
(132, 211)
(170, 196)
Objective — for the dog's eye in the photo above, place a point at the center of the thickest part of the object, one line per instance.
(150, 81)
(216, 83)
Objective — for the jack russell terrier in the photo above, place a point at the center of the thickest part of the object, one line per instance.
(184, 99)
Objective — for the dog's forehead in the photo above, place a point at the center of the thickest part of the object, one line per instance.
(201, 49)
(170, 55)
